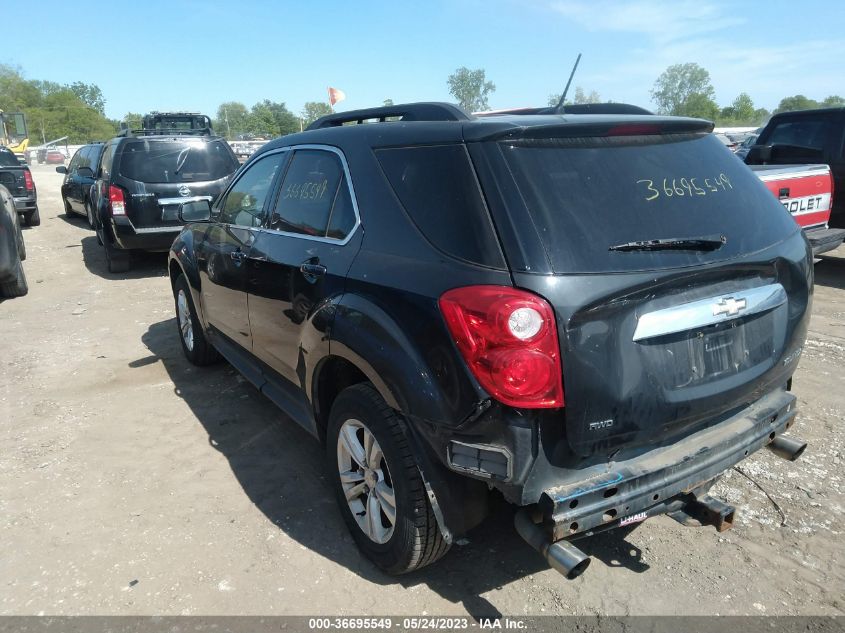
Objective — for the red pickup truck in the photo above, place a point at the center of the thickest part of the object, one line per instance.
(806, 191)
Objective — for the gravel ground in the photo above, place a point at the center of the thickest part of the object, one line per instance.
(133, 483)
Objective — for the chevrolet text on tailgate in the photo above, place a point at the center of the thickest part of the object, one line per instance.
(594, 314)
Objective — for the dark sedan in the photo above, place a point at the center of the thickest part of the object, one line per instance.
(76, 188)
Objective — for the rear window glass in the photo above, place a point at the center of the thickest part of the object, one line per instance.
(804, 133)
(585, 195)
(8, 159)
(437, 187)
(189, 160)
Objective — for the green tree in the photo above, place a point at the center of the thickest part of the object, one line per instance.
(231, 118)
(133, 120)
(471, 88)
(581, 97)
(681, 83)
(89, 94)
(761, 115)
(388, 102)
(833, 101)
(313, 110)
(700, 106)
(796, 102)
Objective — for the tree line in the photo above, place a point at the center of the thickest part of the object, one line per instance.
(77, 110)
(681, 90)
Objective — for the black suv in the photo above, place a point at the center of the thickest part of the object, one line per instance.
(142, 178)
(17, 178)
(78, 186)
(595, 315)
(807, 136)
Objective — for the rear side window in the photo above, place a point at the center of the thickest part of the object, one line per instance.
(314, 198)
(183, 160)
(585, 195)
(438, 188)
(803, 133)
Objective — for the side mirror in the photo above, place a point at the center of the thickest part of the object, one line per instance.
(195, 211)
(61, 170)
(85, 172)
(759, 155)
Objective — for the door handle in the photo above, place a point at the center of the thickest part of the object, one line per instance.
(312, 272)
(783, 192)
(238, 255)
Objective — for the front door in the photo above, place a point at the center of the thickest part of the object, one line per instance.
(228, 242)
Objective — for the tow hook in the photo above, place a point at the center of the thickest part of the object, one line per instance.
(562, 556)
(787, 447)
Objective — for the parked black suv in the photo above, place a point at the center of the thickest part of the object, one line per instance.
(595, 315)
(143, 176)
(807, 136)
(77, 187)
(17, 178)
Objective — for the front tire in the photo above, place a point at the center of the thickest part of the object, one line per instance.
(378, 485)
(195, 345)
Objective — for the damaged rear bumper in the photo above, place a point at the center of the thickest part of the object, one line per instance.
(667, 479)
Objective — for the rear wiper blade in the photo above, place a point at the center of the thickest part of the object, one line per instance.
(703, 243)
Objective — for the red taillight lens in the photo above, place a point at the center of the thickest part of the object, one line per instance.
(508, 338)
(116, 201)
(27, 181)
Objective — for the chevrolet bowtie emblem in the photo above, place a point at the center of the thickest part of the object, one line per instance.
(729, 306)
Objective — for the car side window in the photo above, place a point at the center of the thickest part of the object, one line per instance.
(244, 202)
(74, 162)
(314, 198)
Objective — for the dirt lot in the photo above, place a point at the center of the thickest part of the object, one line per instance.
(133, 483)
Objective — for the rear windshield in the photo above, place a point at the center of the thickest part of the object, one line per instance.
(8, 159)
(585, 195)
(182, 160)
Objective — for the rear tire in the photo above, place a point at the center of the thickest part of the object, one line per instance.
(16, 288)
(413, 538)
(195, 345)
(68, 210)
(33, 218)
(90, 215)
(117, 259)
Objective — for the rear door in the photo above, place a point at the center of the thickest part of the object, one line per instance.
(300, 262)
(837, 166)
(228, 242)
(654, 342)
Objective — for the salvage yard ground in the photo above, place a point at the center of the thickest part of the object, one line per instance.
(134, 483)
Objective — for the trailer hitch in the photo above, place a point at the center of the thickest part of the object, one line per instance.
(705, 510)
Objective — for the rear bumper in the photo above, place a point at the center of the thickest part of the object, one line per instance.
(25, 204)
(128, 237)
(653, 483)
(823, 240)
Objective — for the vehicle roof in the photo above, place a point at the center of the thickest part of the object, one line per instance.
(798, 113)
(487, 127)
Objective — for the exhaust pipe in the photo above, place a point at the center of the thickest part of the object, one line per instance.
(562, 556)
(787, 447)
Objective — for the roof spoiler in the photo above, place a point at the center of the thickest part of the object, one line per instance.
(574, 108)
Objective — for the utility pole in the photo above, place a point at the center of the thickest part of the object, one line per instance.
(226, 118)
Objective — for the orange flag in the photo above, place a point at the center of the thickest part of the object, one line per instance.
(336, 95)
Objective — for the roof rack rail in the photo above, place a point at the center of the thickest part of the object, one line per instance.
(574, 108)
(425, 111)
(205, 131)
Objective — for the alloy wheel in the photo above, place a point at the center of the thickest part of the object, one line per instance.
(366, 482)
(186, 327)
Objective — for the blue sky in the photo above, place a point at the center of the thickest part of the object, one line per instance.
(193, 55)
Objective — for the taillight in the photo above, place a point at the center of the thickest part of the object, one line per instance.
(116, 201)
(508, 338)
(27, 181)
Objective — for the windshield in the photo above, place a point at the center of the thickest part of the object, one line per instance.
(585, 195)
(188, 160)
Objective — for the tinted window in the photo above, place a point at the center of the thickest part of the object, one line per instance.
(585, 195)
(804, 133)
(85, 157)
(437, 187)
(8, 158)
(75, 161)
(105, 164)
(244, 202)
(183, 160)
(313, 192)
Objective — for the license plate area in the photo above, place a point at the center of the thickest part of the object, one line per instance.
(717, 352)
(170, 213)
